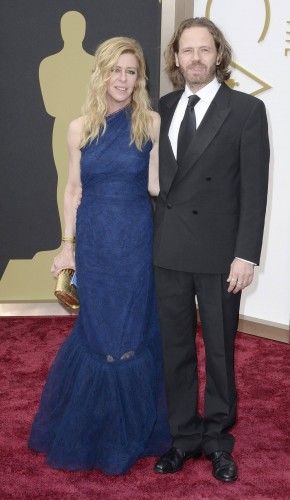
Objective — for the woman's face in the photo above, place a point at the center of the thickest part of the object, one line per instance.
(122, 82)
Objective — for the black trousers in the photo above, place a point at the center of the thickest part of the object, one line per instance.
(219, 311)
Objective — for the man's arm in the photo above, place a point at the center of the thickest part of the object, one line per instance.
(254, 165)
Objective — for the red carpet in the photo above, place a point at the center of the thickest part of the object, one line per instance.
(27, 346)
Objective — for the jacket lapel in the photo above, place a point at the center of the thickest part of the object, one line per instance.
(207, 130)
(170, 166)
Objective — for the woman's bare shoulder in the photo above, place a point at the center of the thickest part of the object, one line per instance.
(76, 125)
(75, 129)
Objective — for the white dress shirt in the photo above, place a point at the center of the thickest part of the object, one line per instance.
(206, 95)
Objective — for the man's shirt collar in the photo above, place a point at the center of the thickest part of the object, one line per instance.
(205, 94)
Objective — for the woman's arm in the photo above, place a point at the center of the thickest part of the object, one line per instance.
(72, 196)
(153, 180)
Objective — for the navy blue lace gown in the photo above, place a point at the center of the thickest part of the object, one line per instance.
(103, 405)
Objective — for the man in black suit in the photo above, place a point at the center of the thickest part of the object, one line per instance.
(214, 155)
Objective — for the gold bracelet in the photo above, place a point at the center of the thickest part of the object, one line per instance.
(68, 239)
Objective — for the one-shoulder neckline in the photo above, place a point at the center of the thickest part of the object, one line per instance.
(119, 111)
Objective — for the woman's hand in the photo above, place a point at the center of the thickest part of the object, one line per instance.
(64, 260)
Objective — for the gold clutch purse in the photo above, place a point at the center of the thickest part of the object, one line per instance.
(64, 291)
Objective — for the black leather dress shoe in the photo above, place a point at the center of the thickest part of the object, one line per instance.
(173, 460)
(223, 466)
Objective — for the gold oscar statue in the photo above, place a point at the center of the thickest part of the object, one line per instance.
(64, 80)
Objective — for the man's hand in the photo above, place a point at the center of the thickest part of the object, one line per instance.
(241, 275)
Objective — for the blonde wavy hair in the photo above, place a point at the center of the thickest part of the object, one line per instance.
(95, 108)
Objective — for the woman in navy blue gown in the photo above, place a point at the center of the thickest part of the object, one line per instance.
(103, 405)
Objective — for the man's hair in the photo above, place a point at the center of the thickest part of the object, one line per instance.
(223, 48)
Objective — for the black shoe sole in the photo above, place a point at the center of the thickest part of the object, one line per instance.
(224, 480)
(193, 456)
(158, 471)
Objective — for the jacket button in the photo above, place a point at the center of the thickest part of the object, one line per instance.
(169, 205)
(208, 178)
(195, 212)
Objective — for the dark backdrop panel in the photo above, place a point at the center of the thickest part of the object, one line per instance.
(29, 32)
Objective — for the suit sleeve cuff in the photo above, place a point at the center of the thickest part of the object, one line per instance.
(248, 261)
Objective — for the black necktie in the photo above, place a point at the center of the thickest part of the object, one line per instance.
(187, 128)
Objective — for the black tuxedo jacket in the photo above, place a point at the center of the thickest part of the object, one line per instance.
(212, 207)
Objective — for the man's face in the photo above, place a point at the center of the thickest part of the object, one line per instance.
(197, 57)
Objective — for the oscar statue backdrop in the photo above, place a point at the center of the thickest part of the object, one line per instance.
(47, 51)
